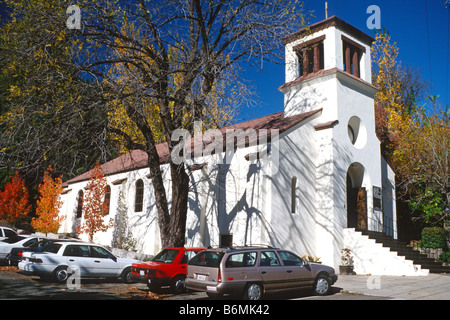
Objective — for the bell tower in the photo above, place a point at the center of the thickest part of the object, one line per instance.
(328, 67)
(330, 49)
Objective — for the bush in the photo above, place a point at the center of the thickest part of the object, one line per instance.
(445, 257)
(434, 238)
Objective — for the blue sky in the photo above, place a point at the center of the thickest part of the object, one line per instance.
(419, 27)
(409, 27)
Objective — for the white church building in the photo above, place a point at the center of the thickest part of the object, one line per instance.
(309, 178)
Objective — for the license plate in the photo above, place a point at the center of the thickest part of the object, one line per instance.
(209, 288)
(142, 272)
(201, 277)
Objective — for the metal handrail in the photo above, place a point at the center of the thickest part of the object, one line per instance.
(383, 223)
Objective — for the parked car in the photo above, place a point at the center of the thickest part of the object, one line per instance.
(15, 254)
(6, 233)
(253, 271)
(167, 268)
(17, 241)
(92, 261)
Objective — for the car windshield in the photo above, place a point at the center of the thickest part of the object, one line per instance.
(207, 259)
(166, 256)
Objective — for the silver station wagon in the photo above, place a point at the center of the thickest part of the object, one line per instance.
(253, 271)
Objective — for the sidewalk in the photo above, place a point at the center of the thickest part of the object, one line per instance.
(431, 287)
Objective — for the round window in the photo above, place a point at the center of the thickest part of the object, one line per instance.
(357, 132)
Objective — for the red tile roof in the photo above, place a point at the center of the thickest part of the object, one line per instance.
(137, 159)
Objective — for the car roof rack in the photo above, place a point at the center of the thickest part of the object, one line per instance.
(247, 246)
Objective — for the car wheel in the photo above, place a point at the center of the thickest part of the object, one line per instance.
(322, 285)
(126, 275)
(254, 291)
(178, 284)
(61, 275)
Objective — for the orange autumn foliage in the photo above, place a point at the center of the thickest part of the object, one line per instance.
(14, 202)
(95, 206)
(48, 205)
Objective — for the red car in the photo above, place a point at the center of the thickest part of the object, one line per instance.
(167, 268)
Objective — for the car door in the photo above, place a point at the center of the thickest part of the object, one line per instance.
(271, 271)
(298, 272)
(240, 266)
(78, 256)
(104, 263)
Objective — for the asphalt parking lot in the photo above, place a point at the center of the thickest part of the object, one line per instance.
(14, 285)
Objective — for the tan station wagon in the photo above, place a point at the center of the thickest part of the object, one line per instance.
(253, 271)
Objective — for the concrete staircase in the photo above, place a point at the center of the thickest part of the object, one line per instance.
(409, 253)
(372, 257)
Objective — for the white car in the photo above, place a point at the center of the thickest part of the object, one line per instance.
(62, 259)
(17, 242)
(6, 233)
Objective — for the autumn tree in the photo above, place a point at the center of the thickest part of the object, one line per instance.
(14, 200)
(47, 111)
(399, 90)
(95, 205)
(47, 218)
(414, 139)
(421, 159)
(178, 52)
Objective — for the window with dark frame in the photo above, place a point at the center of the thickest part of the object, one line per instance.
(293, 194)
(80, 204)
(352, 53)
(311, 56)
(106, 202)
(139, 197)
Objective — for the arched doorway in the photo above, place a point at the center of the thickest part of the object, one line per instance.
(356, 197)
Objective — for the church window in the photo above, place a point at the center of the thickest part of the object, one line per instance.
(80, 204)
(107, 200)
(352, 53)
(293, 194)
(311, 56)
(139, 196)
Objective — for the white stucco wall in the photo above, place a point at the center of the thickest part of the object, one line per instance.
(251, 199)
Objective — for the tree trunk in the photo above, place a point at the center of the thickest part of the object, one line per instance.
(178, 211)
(172, 223)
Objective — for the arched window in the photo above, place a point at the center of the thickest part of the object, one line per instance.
(293, 194)
(80, 204)
(107, 202)
(139, 197)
